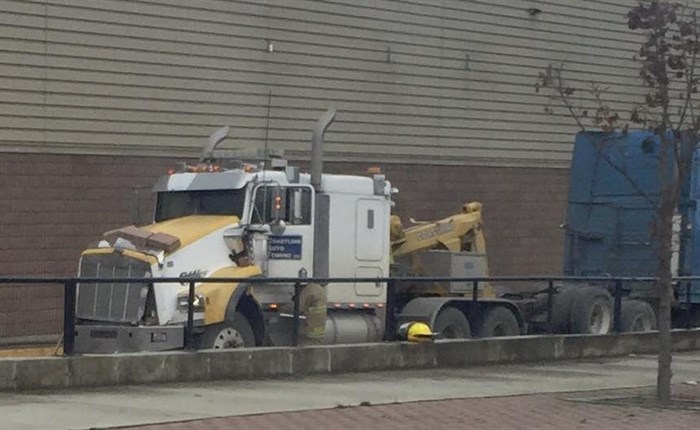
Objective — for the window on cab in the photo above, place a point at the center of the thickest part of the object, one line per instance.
(289, 204)
(177, 204)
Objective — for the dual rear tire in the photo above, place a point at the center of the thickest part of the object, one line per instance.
(585, 310)
(451, 323)
(592, 311)
(637, 316)
(499, 321)
(589, 310)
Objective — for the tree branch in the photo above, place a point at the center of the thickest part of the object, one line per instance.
(565, 100)
(690, 77)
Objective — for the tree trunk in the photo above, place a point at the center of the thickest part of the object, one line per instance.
(663, 381)
(664, 230)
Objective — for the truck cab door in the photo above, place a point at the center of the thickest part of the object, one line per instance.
(289, 211)
(371, 239)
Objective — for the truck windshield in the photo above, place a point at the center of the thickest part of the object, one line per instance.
(176, 204)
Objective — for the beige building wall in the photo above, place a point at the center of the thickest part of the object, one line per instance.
(429, 81)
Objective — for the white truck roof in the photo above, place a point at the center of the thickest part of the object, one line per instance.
(237, 178)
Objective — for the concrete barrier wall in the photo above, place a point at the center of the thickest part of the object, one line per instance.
(260, 363)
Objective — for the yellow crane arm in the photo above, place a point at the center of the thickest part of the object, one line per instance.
(461, 232)
(457, 233)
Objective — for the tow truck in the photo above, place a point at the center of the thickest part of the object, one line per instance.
(263, 218)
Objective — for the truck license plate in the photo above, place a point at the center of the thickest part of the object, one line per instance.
(159, 337)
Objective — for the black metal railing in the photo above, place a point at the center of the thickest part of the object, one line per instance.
(70, 287)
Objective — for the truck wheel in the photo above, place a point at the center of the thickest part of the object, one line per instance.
(452, 324)
(636, 316)
(561, 309)
(236, 333)
(499, 321)
(592, 311)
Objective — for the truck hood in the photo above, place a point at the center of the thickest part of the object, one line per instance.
(191, 228)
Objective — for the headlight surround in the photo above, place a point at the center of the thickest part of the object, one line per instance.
(197, 304)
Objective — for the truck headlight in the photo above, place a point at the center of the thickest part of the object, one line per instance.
(197, 304)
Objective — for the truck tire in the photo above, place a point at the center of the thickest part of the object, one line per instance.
(636, 316)
(591, 311)
(235, 333)
(451, 323)
(499, 321)
(561, 309)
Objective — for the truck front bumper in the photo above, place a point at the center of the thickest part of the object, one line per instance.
(110, 339)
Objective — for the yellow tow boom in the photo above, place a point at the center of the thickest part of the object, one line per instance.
(457, 233)
(461, 232)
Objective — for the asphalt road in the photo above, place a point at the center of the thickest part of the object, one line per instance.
(138, 405)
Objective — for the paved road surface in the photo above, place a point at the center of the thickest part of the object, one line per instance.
(140, 405)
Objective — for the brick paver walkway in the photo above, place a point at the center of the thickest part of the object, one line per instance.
(540, 411)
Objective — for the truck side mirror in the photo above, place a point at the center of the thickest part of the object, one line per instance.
(277, 227)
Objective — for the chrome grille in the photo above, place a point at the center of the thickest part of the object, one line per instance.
(122, 302)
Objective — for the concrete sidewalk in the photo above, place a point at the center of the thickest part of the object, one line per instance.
(139, 405)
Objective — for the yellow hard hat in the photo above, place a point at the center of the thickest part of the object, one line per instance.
(416, 332)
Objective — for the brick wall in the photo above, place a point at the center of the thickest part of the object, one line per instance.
(53, 206)
(523, 208)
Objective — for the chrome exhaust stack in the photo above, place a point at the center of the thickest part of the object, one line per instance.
(322, 206)
(214, 140)
(317, 147)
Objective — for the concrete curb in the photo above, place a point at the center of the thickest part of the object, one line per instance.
(260, 363)
(26, 341)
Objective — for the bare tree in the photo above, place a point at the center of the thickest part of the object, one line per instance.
(666, 61)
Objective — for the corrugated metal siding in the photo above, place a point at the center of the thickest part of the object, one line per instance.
(441, 81)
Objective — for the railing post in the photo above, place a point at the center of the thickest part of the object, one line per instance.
(688, 307)
(617, 309)
(297, 293)
(69, 297)
(189, 329)
(474, 311)
(390, 321)
(550, 306)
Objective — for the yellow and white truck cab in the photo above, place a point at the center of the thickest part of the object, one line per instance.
(224, 219)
